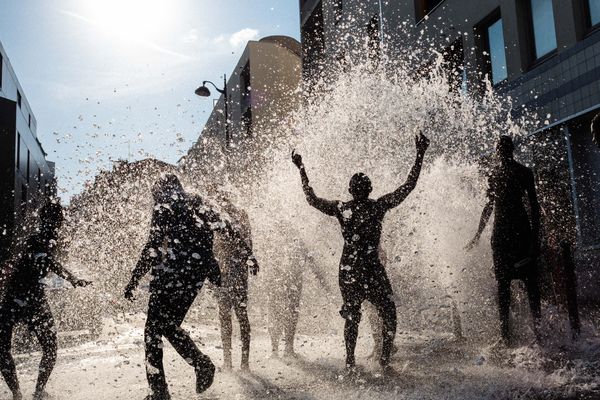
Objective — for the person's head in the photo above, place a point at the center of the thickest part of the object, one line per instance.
(360, 186)
(51, 217)
(505, 147)
(595, 128)
(167, 189)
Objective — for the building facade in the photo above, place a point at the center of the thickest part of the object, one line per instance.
(544, 54)
(27, 177)
(261, 90)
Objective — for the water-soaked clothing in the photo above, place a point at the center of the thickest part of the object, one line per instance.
(179, 253)
(514, 235)
(25, 301)
(361, 274)
(233, 293)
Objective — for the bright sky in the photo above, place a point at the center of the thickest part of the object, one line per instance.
(108, 79)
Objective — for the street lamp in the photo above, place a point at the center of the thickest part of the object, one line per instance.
(203, 91)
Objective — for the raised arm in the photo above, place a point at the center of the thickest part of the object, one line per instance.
(394, 199)
(485, 217)
(328, 207)
(64, 273)
(150, 252)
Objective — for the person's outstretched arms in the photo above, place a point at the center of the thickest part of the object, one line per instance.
(485, 217)
(64, 273)
(328, 207)
(149, 254)
(394, 199)
(535, 215)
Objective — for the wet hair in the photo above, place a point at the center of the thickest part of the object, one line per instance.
(51, 215)
(596, 124)
(360, 186)
(505, 147)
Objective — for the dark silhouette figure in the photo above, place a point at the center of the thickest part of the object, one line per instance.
(595, 128)
(361, 275)
(179, 251)
(25, 299)
(233, 293)
(285, 293)
(515, 236)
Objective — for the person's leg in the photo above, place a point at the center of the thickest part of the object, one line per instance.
(184, 345)
(7, 363)
(376, 324)
(153, 331)
(226, 327)
(351, 313)
(291, 323)
(275, 325)
(504, 308)
(241, 311)
(534, 296)
(41, 323)
(382, 297)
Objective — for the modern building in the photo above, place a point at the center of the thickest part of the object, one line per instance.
(544, 54)
(27, 177)
(262, 88)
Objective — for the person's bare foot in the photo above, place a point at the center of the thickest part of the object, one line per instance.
(41, 395)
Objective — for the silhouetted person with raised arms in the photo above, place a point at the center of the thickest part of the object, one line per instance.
(25, 300)
(233, 293)
(361, 275)
(179, 252)
(515, 236)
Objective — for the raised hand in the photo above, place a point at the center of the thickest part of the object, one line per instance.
(421, 143)
(296, 159)
(128, 294)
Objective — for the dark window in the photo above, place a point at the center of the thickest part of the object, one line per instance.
(247, 121)
(18, 150)
(39, 177)
(1, 67)
(494, 50)
(542, 27)
(593, 8)
(245, 88)
(374, 38)
(28, 164)
(23, 199)
(29, 121)
(424, 7)
(338, 8)
(313, 43)
(19, 98)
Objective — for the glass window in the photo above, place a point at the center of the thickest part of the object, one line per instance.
(594, 7)
(1, 62)
(544, 32)
(19, 97)
(495, 38)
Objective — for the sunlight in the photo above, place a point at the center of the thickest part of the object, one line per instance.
(130, 19)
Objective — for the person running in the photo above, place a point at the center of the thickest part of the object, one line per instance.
(515, 236)
(233, 293)
(25, 300)
(179, 252)
(361, 275)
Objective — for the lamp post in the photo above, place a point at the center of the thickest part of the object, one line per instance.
(203, 91)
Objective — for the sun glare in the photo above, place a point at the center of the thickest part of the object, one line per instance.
(130, 19)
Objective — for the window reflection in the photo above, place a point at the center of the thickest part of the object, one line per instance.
(495, 37)
(594, 7)
(544, 33)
